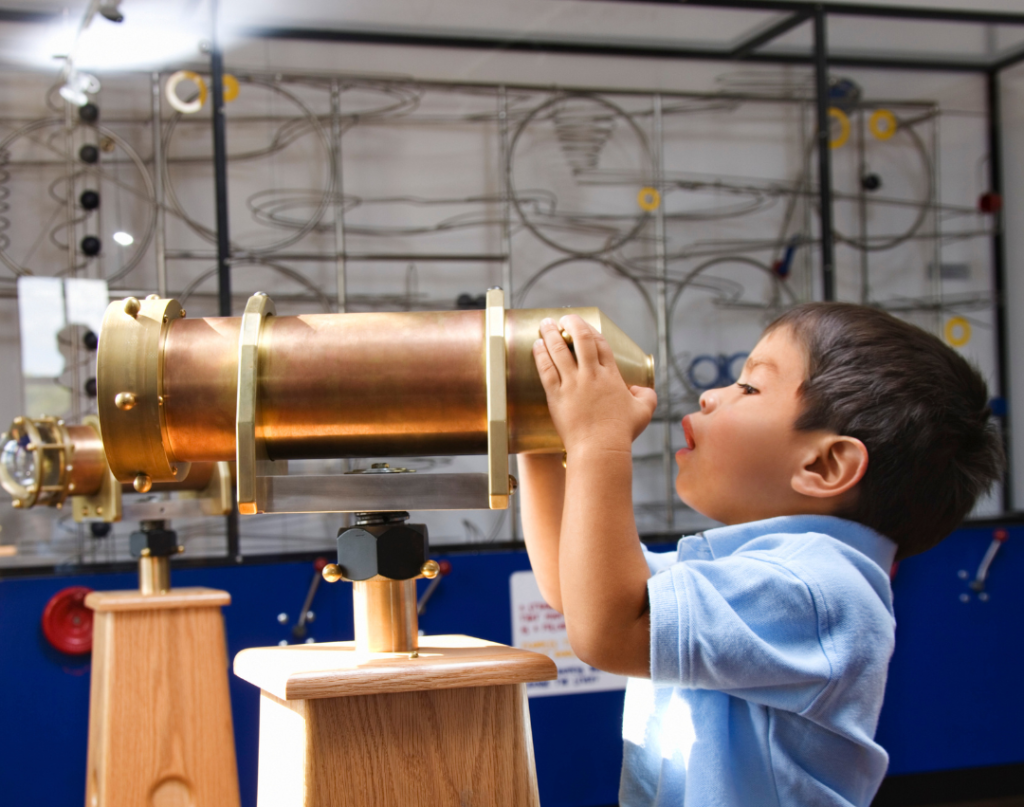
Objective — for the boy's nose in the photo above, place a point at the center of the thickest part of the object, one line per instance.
(708, 401)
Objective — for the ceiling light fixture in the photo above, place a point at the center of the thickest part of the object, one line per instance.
(77, 84)
(123, 238)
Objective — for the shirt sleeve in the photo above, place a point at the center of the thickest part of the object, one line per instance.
(659, 561)
(743, 625)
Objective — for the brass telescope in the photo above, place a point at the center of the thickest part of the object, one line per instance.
(263, 389)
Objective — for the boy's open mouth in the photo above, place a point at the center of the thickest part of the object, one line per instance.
(688, 433)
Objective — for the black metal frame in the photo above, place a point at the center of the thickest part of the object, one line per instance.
(748, 50)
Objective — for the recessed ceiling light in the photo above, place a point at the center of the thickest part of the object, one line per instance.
(123, 238)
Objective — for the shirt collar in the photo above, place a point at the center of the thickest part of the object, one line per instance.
(726, 540)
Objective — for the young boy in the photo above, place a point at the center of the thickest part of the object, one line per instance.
(851, 439)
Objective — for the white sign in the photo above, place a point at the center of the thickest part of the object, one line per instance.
(538, 627)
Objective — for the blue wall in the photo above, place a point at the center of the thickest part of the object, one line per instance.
(953, 698)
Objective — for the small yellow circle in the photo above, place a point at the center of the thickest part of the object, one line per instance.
(231, 88)
(649, 199)
(958, 331)
(883, 124)
(840, 139)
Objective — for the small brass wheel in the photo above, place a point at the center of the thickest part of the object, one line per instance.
(840, 139)
(883, 124)
(649, 199)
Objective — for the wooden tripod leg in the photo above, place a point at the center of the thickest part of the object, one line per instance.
(160, 732)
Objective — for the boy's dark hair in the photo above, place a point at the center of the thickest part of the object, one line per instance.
(920, 409)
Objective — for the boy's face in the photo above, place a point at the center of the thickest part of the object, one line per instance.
(743, 450)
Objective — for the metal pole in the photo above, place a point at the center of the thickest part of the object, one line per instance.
(159, 235)
(661, 266)
(995, 167)
(220, 184)
(340, 269)
(220, 169)
(821, 86)
(862, 210)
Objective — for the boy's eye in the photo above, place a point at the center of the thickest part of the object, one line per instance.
(747, 389)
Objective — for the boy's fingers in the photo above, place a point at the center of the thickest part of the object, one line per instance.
(557, 349)
(605, 354)
(583, 341)
(549, 377)
(646, 396)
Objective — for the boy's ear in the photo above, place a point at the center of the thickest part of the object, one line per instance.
(834, 465)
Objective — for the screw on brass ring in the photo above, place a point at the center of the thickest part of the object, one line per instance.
(132, 306)
(143, 483)
(332, 573)
(125, 401)
(430, 569)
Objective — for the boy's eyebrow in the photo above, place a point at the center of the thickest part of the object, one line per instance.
(753, 363)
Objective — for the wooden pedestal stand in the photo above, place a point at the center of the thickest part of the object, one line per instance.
(447, 724)
(159, 716)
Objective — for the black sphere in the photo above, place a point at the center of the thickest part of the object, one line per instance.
(871, 182)
(91, 245)
(90, 113)
(90, 387)
(99, 529)
(90, 200)
(89, 153)
(90, 340)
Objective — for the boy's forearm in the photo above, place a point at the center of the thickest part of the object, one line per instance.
(604, 572)
(542, 493)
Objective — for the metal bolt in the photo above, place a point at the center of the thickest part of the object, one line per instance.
(152, 296)
(430, 569)
(283, 643)
(99, 511)
(310, 640)
(181, 549)
(983, 596)
(125, 401)
(513, 484)
(965, 597)
(332, 573)
(16, 503)
(143, 483)
(310, 616)
(282, 618)
(962, 574)
(71, 488)
(182, 313)
(132, 307)
(144, 552)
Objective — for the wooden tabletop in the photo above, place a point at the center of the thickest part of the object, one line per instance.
(335, 669)
(135, 600)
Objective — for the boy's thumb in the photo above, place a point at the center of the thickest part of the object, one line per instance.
(646, 396)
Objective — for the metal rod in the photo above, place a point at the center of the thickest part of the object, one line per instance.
(384, 612)
(348, 257)
(661, 269)
(159, 233)
(748, 46)
(340, 273)
(220, 167)
(821, 86)
(220, 183)
(154, 575)
(506, 264)
(862, 209)
(995, 166)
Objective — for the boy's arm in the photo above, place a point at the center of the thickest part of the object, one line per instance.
(542, 491)
(602, 571)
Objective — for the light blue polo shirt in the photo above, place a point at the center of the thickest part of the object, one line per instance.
(770, 643)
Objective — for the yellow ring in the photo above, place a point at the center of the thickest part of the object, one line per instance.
(171, 91)
(891, 124)
(844, 127)
(649, 199)
(958, 331)
(231, 88)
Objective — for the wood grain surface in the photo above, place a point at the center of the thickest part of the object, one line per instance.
(466, 747)
(160, 731)
(335, 669)
(134, 600)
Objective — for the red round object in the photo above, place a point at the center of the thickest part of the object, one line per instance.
(446, 567)
(67, 623)
(1001, 534)
(990, 202)
(319, 564)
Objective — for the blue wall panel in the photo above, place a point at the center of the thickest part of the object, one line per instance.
(953, 699)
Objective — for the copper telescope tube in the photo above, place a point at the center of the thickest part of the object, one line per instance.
(364, 385)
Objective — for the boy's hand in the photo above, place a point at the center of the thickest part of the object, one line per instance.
(589, 402)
